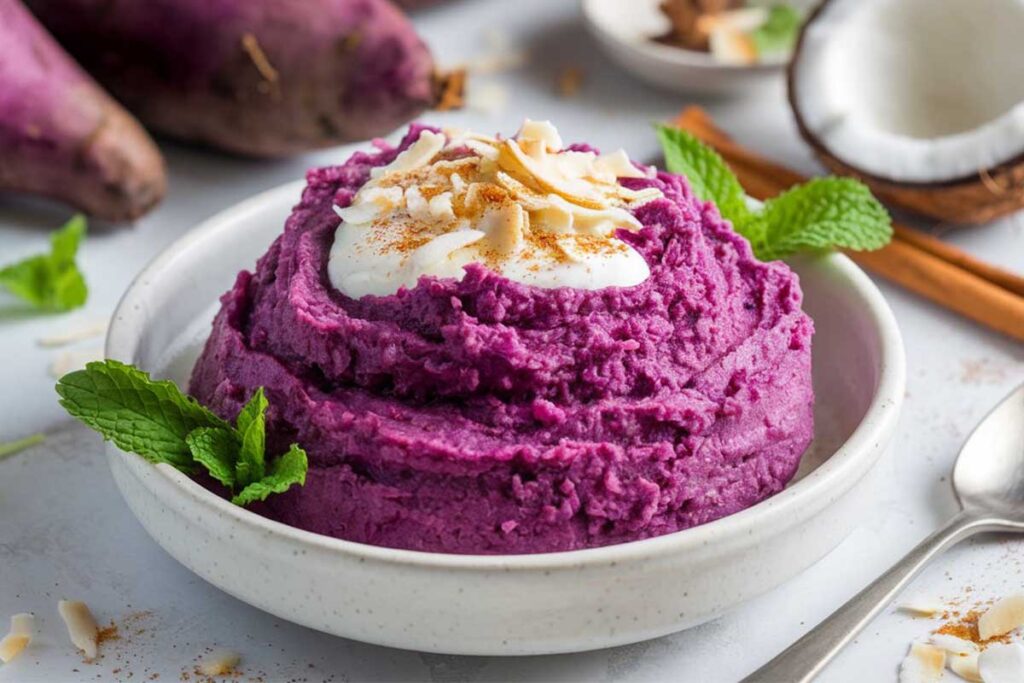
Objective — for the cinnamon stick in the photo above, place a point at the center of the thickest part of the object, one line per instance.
(914, 260)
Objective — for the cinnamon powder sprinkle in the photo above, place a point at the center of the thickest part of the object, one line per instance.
(107, 633)
(965, 627)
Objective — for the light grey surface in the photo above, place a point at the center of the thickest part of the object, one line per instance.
(64, 531)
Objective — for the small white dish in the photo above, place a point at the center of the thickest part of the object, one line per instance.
(626, 29)
(511, 604)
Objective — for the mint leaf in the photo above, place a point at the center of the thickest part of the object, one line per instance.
(14, 447)
(777, 35)
(824, 213)
(140, 415)
(157, 421)
(251, 424)
(51, 282)
(214, 448)
(709, 176)
(284, 472)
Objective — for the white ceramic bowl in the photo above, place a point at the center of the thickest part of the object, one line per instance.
(625, 28)
(515, 604)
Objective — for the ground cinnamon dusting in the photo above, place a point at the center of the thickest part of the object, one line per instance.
(966, 628)
(107, 633)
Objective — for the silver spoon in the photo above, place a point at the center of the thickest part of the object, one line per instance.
(988, 480)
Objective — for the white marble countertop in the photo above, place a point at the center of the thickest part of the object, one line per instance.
(64, 531)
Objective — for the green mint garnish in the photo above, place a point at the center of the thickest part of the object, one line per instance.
(709, 177)
(50, 282)
(286, 470)
(821, 214)
(154, 419)
(14, 447)
(778, 34)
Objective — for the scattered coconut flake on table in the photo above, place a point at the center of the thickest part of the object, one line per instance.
(66, 361)
(961, 655)
(218, 663)
(18, 638)
(82, 627)
(1002, 663)
(966, 666)
(489, 98)
(922, 607)
(1002, 617)
(953, 645)
(87, 330)
(501, 55)
(923, 664)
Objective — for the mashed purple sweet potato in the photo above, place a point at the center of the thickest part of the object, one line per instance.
(486, 416)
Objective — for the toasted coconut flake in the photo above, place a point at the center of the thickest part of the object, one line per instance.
(19, 637)
(923, 664)
(81, 626)
(541, 131)
(219, 663)
(489, 98)
(1002, 663)
(954, 645)
(505, 226)
(1002, 617)
(87, 330)
(419, 154)
(513, 159)
(966, 666)
(439, 248)
(618, 165)
(922, 608)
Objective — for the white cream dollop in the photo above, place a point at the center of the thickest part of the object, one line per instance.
(523, 207)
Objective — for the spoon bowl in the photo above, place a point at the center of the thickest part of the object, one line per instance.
(989, 473)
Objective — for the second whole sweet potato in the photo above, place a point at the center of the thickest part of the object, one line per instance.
(266, 78)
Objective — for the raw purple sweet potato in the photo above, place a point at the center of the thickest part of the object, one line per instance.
(266, 78)
(62, 136)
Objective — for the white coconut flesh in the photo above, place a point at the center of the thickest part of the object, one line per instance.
(915, 91)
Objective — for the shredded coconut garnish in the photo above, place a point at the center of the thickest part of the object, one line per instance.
(18, 638)
(82, 627)
(87, 330)
(1002, 663)
(923, 664)
(922, 608)
(1002, 617)
(219, 663)
(523, 193)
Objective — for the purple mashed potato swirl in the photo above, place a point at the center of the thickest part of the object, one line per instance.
(487, 416)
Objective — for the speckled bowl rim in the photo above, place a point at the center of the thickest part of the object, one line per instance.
(840, 472)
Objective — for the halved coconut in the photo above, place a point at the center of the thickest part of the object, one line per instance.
(921, 99)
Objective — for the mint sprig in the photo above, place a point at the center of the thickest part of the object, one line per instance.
(821, 214)
(51, 282)
(154, 419)
(778, 34)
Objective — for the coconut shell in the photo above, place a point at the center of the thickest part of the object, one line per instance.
(978, 198)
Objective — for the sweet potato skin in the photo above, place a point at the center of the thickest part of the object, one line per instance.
(62, 136)
(267, 78)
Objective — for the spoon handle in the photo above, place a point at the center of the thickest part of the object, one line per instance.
(804, 659)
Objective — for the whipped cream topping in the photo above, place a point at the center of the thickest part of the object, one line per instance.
(523, 207)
